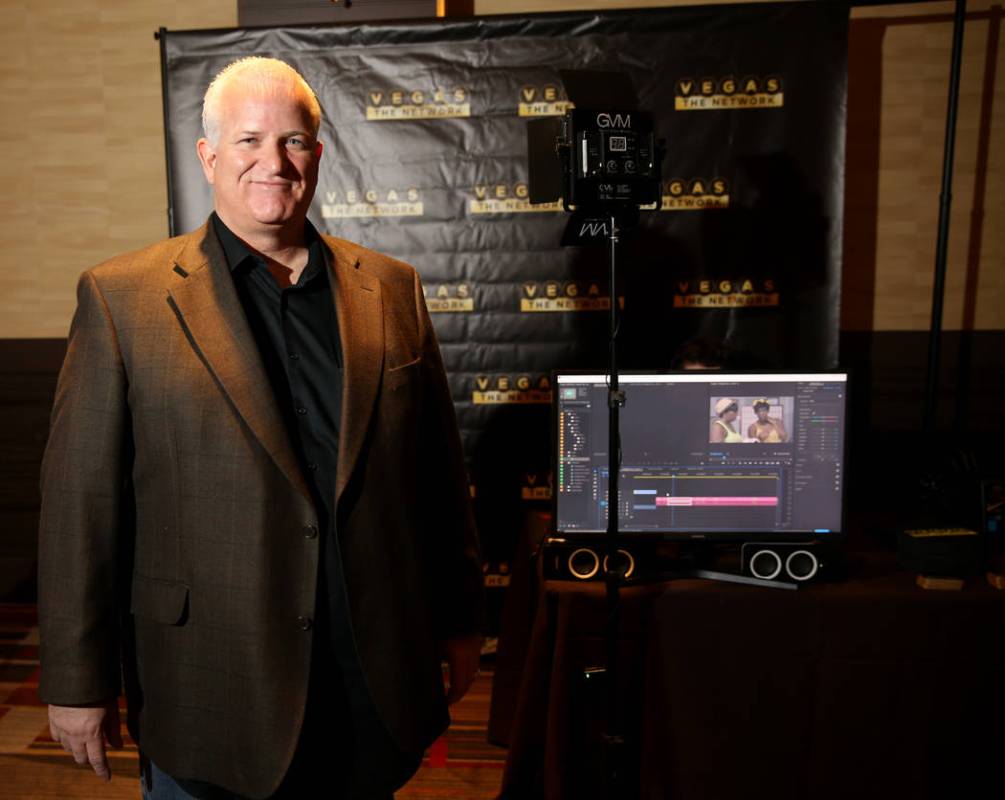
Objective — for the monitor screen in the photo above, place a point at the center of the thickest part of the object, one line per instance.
(705, 455)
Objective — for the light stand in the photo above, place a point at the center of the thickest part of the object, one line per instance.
(942, 240)
(603, 160)
(614, 571)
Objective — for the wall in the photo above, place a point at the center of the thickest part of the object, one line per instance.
(83, 143)
(898, 96)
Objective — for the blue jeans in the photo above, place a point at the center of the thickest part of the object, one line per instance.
(158, 785)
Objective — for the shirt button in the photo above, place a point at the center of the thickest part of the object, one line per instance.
(301, 410)
(304, 623)
(310, 531)
(312, 466)
(294, 356)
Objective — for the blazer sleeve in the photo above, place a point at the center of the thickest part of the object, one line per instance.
(84, 471)
(458, 586)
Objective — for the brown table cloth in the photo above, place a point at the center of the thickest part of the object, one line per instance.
(871, 687)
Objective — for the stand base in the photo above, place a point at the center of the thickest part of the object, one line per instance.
(939, 584)
(727, 577)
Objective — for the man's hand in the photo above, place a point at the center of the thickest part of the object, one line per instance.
(82, 731)
(463, 655)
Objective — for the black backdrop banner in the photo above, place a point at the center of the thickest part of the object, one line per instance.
(425, 133)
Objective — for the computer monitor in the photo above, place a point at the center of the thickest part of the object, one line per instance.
(705, 455)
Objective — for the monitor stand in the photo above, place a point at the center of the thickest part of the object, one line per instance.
(725, 577)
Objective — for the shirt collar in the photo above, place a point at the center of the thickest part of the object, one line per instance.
(236, 251)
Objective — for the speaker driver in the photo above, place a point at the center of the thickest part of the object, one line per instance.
(622, 559)
(766, 565)
(583, 563)
(801, 565)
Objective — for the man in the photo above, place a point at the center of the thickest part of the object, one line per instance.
(254, 496)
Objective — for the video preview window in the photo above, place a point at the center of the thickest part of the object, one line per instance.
(750, 419)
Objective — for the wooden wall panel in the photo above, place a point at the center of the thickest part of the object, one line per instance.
(28, 369)
(84, 145)
(913, 80)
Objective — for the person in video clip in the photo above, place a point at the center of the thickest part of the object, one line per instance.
(726, 410)
(766, 429)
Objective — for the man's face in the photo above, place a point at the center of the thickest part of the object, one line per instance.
(264, 168)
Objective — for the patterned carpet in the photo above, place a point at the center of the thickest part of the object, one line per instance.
(461, 764)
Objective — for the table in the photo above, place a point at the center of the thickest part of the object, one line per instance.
(871, 687)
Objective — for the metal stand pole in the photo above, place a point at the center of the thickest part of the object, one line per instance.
(613, 571)
(945, 201)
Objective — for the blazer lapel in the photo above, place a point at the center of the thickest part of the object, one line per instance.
(210, 310)
(361, 329)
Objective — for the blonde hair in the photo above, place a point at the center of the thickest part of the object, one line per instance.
(265, 76)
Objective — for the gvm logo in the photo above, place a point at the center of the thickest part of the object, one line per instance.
(606, 120)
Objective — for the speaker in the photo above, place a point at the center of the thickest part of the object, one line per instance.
(586, 559)
(802, 562)
(941, 552)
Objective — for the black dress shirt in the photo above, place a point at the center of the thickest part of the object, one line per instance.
(297, 336)
(296, 331)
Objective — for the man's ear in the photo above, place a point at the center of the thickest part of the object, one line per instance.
(207, 157)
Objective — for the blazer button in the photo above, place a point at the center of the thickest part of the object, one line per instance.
(311, 531)
(304, 623)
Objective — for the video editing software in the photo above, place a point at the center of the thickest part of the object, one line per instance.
(705, 453)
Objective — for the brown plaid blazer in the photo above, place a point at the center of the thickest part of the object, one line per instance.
(175, 548)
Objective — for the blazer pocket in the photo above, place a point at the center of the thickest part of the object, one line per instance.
(401, 374)
(160, 601)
